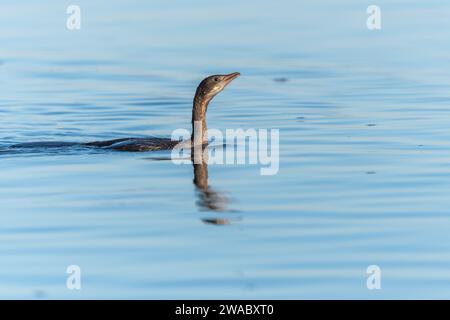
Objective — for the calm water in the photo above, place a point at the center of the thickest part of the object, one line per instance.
(364, 157)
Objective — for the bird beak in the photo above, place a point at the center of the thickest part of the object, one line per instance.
(230, 77)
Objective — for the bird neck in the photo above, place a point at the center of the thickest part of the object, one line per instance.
(199, 129)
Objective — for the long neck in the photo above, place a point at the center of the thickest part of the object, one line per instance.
(199, 134)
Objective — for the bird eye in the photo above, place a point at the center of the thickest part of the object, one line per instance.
(216, 79)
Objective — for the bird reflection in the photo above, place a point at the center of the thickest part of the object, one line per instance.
(208, 198)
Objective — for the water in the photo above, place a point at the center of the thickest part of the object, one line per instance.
(364, 150)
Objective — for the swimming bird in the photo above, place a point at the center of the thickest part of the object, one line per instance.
(206, 91)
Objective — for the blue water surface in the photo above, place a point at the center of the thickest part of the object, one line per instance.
(364, 174)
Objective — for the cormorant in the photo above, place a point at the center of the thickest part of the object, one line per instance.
(206, 91)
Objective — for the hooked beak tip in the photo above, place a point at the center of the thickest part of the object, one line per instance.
(232, 76)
